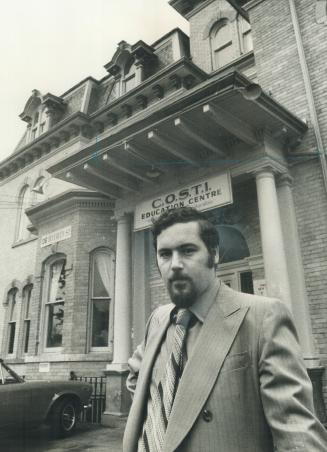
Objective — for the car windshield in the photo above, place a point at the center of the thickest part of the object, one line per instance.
(7, 375)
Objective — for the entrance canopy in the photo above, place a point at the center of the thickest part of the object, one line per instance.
(218, 123)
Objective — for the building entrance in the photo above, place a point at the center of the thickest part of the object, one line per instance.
(237, 277)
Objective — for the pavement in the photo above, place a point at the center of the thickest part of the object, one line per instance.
(87, 437)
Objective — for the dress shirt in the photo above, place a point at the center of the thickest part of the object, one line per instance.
(200, 310)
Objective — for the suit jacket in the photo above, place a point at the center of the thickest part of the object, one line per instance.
(244, 388)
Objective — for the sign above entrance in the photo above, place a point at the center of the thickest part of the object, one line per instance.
(206, 194)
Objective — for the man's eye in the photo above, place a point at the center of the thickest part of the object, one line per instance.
(188, 251)
(164, 254)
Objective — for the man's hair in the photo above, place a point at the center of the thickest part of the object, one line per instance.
(207, 231)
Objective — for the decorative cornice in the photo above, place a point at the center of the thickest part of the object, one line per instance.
(187, 8)
(69, 200)
(59, 134)
(27, 161)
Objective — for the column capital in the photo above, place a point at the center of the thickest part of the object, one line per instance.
(259, 165)
(271, 168)
(122, 216)
(285, 180)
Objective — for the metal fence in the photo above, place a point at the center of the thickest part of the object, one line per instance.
(98, 399)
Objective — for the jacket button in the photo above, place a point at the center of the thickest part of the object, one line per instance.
(207, 415)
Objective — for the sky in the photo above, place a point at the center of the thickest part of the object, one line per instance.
(50, 45)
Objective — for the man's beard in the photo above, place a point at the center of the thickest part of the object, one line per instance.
(182, 291)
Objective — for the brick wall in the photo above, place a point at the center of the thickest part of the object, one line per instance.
(279, 70)
(311, 211)
(92, 227)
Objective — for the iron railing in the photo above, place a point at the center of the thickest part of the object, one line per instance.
(98, 399)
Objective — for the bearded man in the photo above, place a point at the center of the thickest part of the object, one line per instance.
(218, 370)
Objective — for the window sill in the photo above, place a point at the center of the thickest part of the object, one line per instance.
(70, 357)
(101, 350)
(23, 242)
(49, 351)
(11, 359)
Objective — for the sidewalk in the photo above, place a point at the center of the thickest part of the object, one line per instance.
(87, 437)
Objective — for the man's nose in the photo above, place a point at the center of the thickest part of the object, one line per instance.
(176, 261)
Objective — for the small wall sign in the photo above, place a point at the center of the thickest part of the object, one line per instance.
(56, 236)
(260, 287)
(44, 367)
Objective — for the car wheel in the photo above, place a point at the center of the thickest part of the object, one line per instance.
(64, 418)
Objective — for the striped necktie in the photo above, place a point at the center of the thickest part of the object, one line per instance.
(162, 397)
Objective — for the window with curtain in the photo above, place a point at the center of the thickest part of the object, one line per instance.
(24, 201)
(27, 294)
(55, 304)
(222, 48)
(12, 306)
(102, 276)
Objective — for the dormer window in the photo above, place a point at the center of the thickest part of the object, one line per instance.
(128, 65)
(221, 37)
(38, 124)
(41, 112)
(229, 39)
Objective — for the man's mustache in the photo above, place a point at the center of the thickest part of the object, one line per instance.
(179, 277)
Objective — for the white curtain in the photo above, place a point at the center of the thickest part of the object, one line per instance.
(56, 269)
(102, 261)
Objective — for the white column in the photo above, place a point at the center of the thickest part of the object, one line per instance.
(122, 310)
(274, 257)
(141, 288)
(300, 304)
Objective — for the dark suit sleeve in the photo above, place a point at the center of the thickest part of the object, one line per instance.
(134, 363)
(286, 390)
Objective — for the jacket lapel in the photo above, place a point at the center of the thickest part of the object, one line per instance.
(202, 369)
(157, 329)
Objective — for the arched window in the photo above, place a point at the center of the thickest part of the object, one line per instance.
(12, 319)
(23, 202)
(221, 39)
(55, 281)
(26, 307)
(102, 291)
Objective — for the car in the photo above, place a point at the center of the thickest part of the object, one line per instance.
(26, 404)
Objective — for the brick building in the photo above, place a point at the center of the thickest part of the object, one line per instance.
(230, 120)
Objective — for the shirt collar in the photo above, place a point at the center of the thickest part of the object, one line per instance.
(202, 306)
